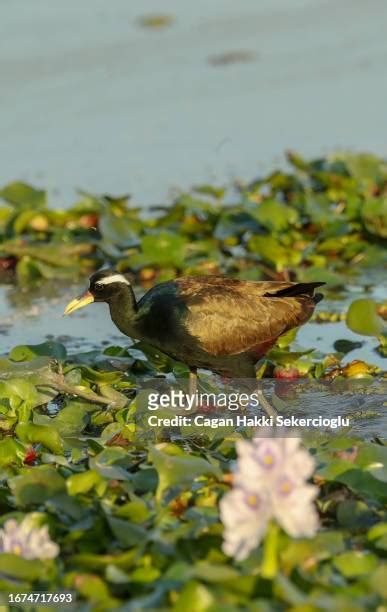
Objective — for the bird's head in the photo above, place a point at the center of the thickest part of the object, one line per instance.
(103, 286)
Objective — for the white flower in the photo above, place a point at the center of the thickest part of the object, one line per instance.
(269, 483)
(27, 540)
(244, 516)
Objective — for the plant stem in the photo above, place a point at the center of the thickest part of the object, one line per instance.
(269, 567)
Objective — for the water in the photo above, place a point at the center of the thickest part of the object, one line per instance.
(91, 99)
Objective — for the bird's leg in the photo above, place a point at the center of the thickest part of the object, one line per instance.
(193, 381)
(266, 405)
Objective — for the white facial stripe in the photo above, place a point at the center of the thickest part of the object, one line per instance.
(114, 278)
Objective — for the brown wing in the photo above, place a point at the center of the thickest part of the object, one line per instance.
(229, 316)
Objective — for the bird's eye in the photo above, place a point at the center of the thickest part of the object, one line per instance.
(97, 287)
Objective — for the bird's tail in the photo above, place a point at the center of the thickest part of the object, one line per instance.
(298, 289)
(318, 297)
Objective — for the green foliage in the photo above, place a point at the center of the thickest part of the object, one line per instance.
(174, 467)
(136, 517)
(324, 216)
(362, 318)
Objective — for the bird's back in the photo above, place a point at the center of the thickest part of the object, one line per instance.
(224, 316)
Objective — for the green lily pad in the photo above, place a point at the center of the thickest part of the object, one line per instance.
(27, 352)
(18, 568)
(275, 253)
(164, 248)
(355, 563)
(276, 216)
(374, 215)
(40, 434)
(174, 467)
(23, 195)
(36, 485)
(362, 318)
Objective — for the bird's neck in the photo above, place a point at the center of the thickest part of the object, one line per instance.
(123, 311)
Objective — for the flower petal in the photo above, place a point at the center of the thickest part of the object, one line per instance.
(296, 513)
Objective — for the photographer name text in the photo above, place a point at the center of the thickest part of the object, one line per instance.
(200, 420)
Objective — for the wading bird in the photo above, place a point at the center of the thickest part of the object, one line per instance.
(216, 323)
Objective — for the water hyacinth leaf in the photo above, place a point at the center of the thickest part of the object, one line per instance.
(346, 346)
(378, 580)
(27, 352)
(115, 575)
(116, 230)
(22, 195)
(27, 271)
(72, 419)
(216, 192)
(38, 367)
(127, 534)
(20, 393)
(119, 399)
(92, 561)
(364, 484)
(99, 376)
(322, 275)
(286, 339)
(18, 568)
(145, 481)
(377, 532)
(286, 590)
(373, 459)
(164, 248)
(284, 357)
(28, 219)
(234, 223)
(134, 511)
(362, 165)
(11, 452)
(355, 563)
(374, 216)
(274, 252)
(36, 485)
(317, 208)
(362, 318)
(354, 514)
(40, 434)
(145, 574)
(176, 468)
(194, 597)
(112, 463)
(92, 588)
(276, 216)
(63, 504)
(209, 572)
(324, 545)
(84, 482)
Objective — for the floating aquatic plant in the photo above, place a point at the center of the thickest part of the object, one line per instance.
(270, 482)
(137, 516)
(27, 540)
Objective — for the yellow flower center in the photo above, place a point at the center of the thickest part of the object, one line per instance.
(17, 549)
(268, 459)
(252, 500)
(286, 487)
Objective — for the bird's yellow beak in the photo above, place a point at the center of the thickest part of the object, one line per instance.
(79, 302)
